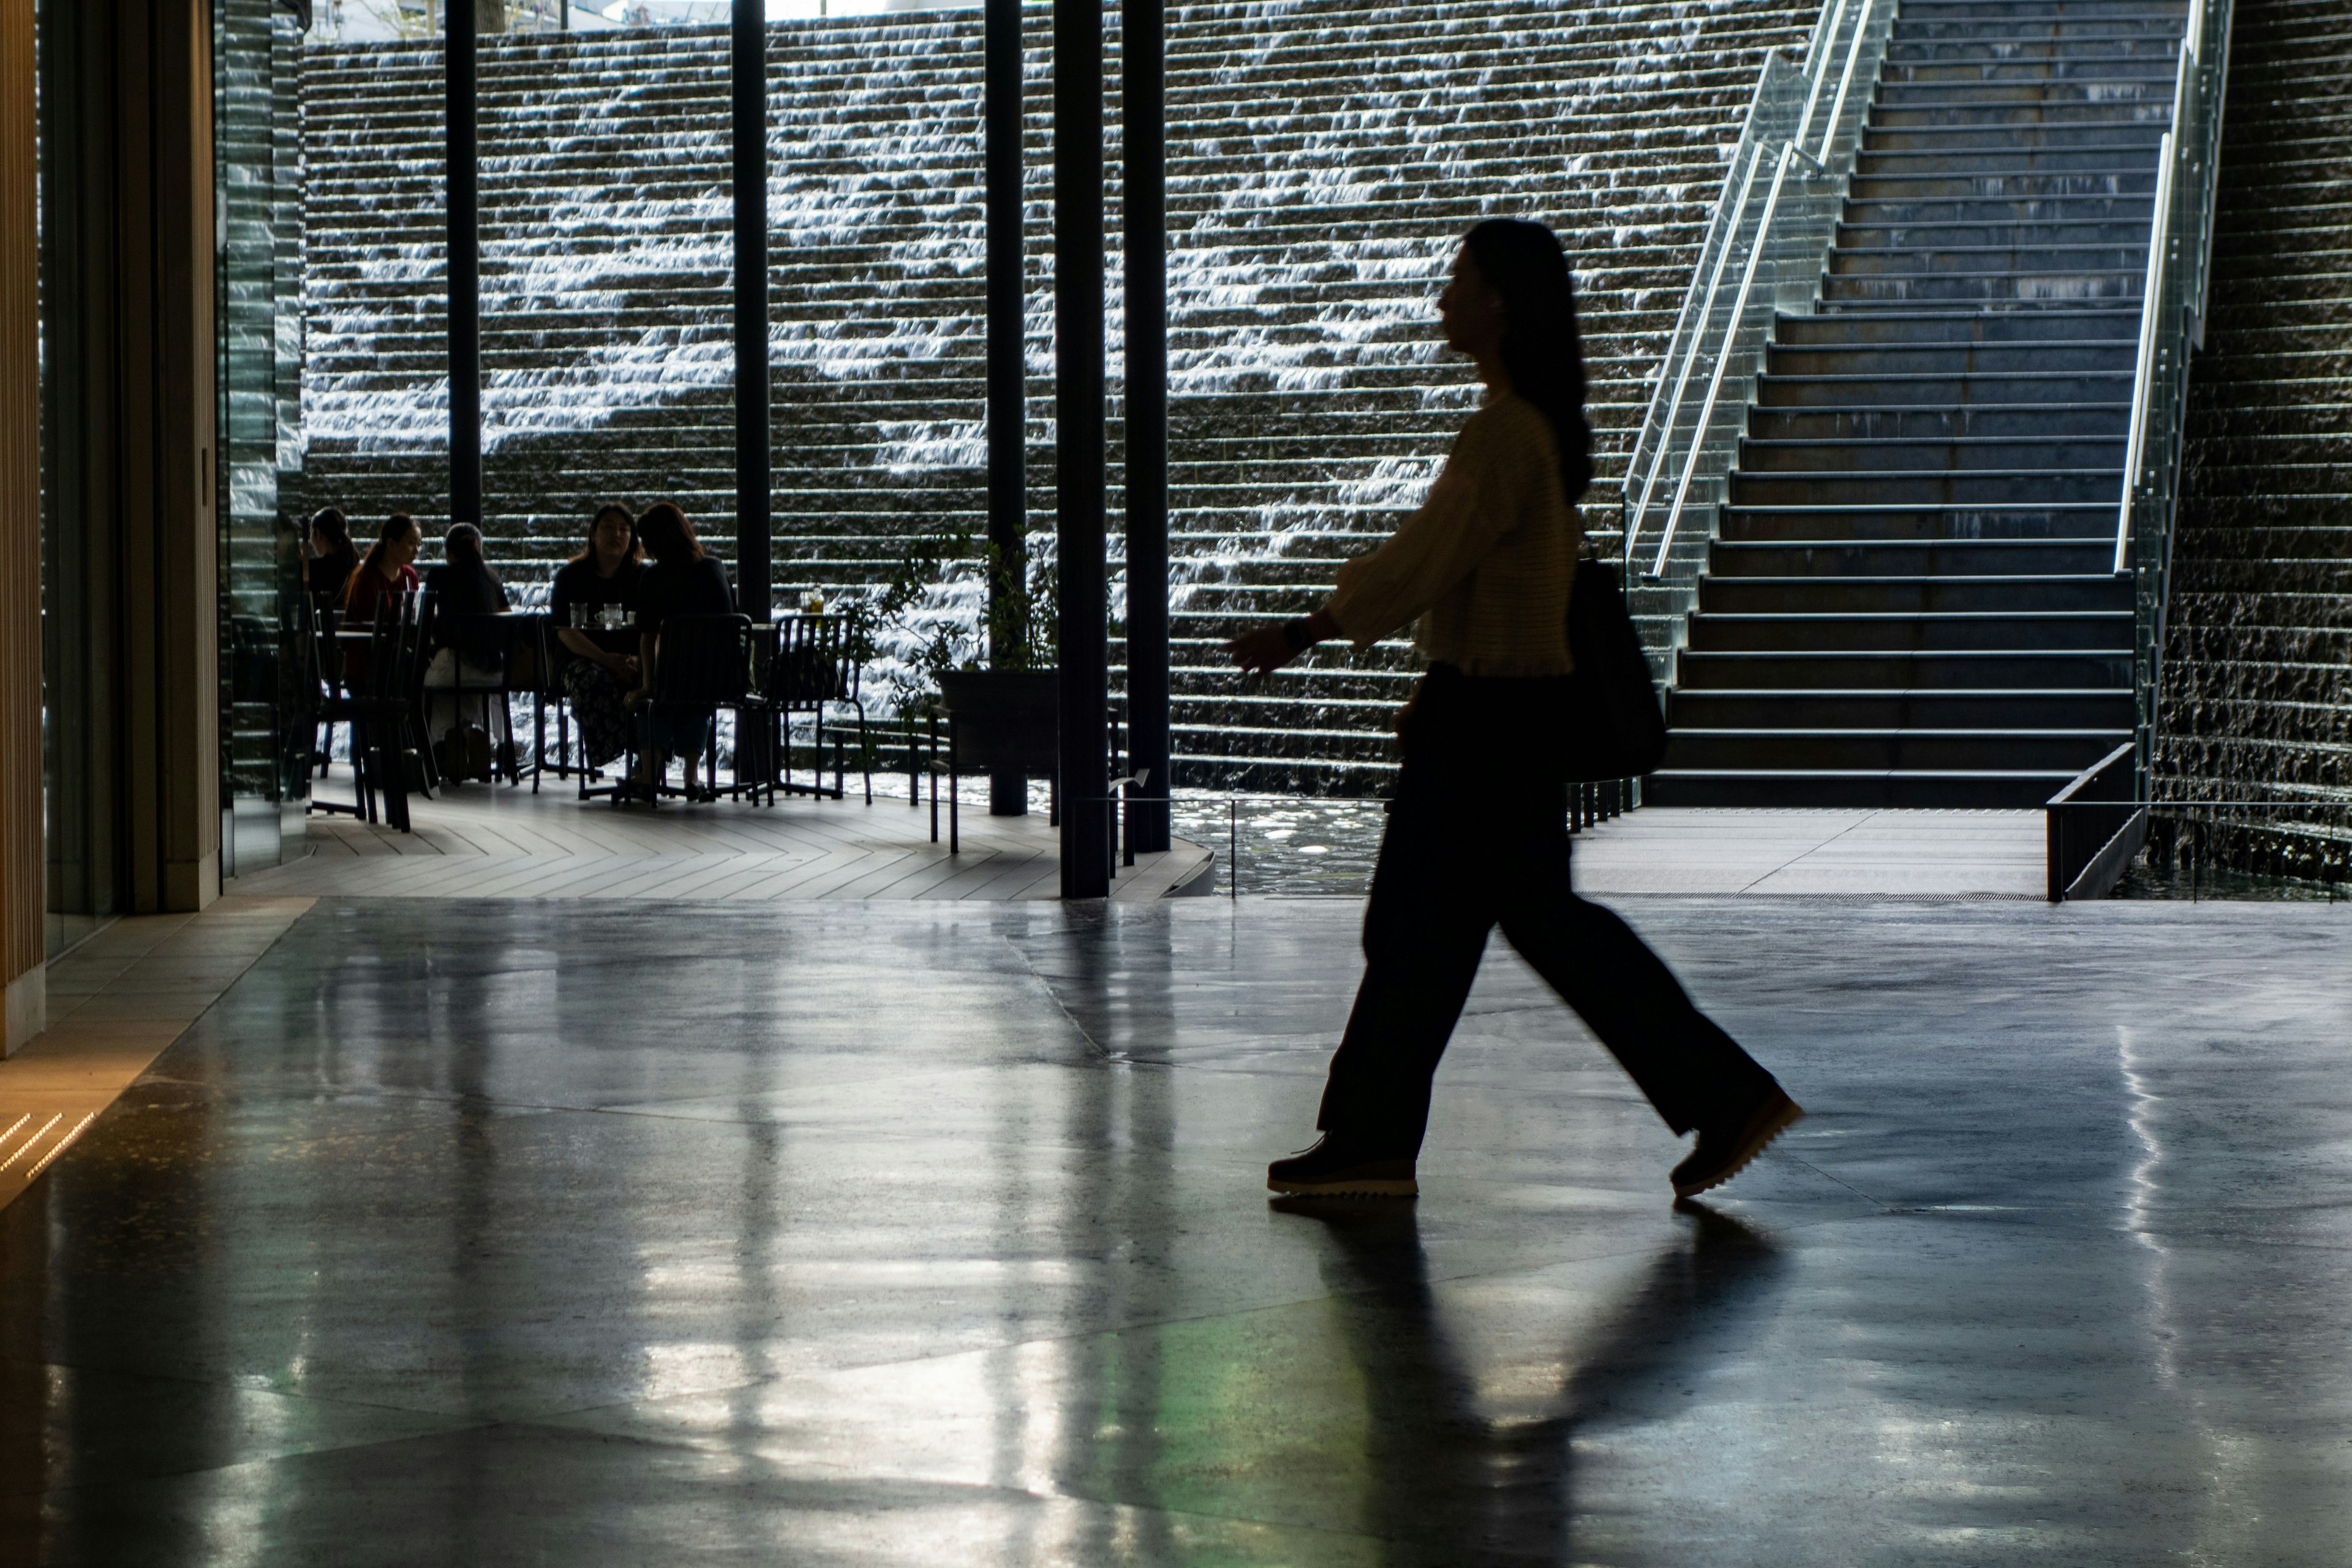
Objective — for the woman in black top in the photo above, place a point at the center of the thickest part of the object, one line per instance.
(333, 558)
(607, 573)
(682, 581)
(469, 648)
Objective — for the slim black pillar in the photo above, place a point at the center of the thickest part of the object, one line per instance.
(754, 589)
(465, 272)
(1142, 135)
(1078, 526)
(1008, 408)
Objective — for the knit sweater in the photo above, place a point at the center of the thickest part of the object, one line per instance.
(1484, 566)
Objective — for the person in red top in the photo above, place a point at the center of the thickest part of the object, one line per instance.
(387, 572)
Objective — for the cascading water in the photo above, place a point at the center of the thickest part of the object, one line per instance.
(1324, 155)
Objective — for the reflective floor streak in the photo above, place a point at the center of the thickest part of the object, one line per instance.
(536, 1233)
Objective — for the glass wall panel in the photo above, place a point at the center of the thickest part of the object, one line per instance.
(267, 691)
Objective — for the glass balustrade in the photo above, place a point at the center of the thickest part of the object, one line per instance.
(2172, 324)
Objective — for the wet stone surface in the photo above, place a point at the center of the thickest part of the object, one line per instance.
(536, 1233)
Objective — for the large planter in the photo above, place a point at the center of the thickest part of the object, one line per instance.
(1003, 720)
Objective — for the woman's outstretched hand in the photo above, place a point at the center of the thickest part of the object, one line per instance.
(1267, 650)
(1261, 652)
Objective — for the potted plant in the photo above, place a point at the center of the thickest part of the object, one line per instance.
(992, 680)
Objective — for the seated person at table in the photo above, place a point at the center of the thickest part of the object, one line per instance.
(682, 581)
(388, 572)
(328, 568)
(468, 651)
(608, 571)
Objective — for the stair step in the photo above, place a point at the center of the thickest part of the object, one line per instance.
(1890, 790)
(1974, 670)
(1858, 260)
(1981, 594)
(1911, 558)
(2104, 631)
(1761, 455)
(2100, 323)
(1905, 749)
(1858, 523)
(1849, 387)
(2095, 707)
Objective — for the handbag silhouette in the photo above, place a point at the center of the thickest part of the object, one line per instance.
(1613, 727)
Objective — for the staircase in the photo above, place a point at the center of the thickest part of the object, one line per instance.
(2254, 702)
(1910, 600)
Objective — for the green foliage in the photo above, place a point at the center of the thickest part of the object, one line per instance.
(1020, 630)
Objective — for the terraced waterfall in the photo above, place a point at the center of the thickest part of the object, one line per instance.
(1323, 156)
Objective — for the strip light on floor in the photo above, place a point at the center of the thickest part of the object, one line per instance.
(27, 1147)
(60, 1146)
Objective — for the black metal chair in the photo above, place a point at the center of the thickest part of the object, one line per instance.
(373, 701)
(517, 646)
(809, 669)
(701, 664)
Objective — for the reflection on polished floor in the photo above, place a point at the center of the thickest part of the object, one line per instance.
(542, 1233)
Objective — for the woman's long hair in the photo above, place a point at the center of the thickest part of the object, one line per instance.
(395, 528)
(462, 546)
(327, 523)
(665, 533)
(1524, 263)
(637, 550)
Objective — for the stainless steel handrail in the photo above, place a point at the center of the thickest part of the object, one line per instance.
(1756, 258)
(1722, 359)
(2151, 307)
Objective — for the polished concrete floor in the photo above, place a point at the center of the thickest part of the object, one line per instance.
(576, 1234)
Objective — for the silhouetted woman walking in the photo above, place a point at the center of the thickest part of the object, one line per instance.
(1482, 571)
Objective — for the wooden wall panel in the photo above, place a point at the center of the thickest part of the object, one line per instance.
(22, 894)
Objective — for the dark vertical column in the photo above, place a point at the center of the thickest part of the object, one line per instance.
(753, 465)
(1008, 407)
(1143, 138)
(465, 272)
(1078, 527)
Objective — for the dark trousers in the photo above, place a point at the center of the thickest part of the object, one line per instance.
(1471, 845)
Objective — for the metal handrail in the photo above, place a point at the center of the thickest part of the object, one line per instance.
(2151, 306)
(1722, 359)
(1764, 252)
